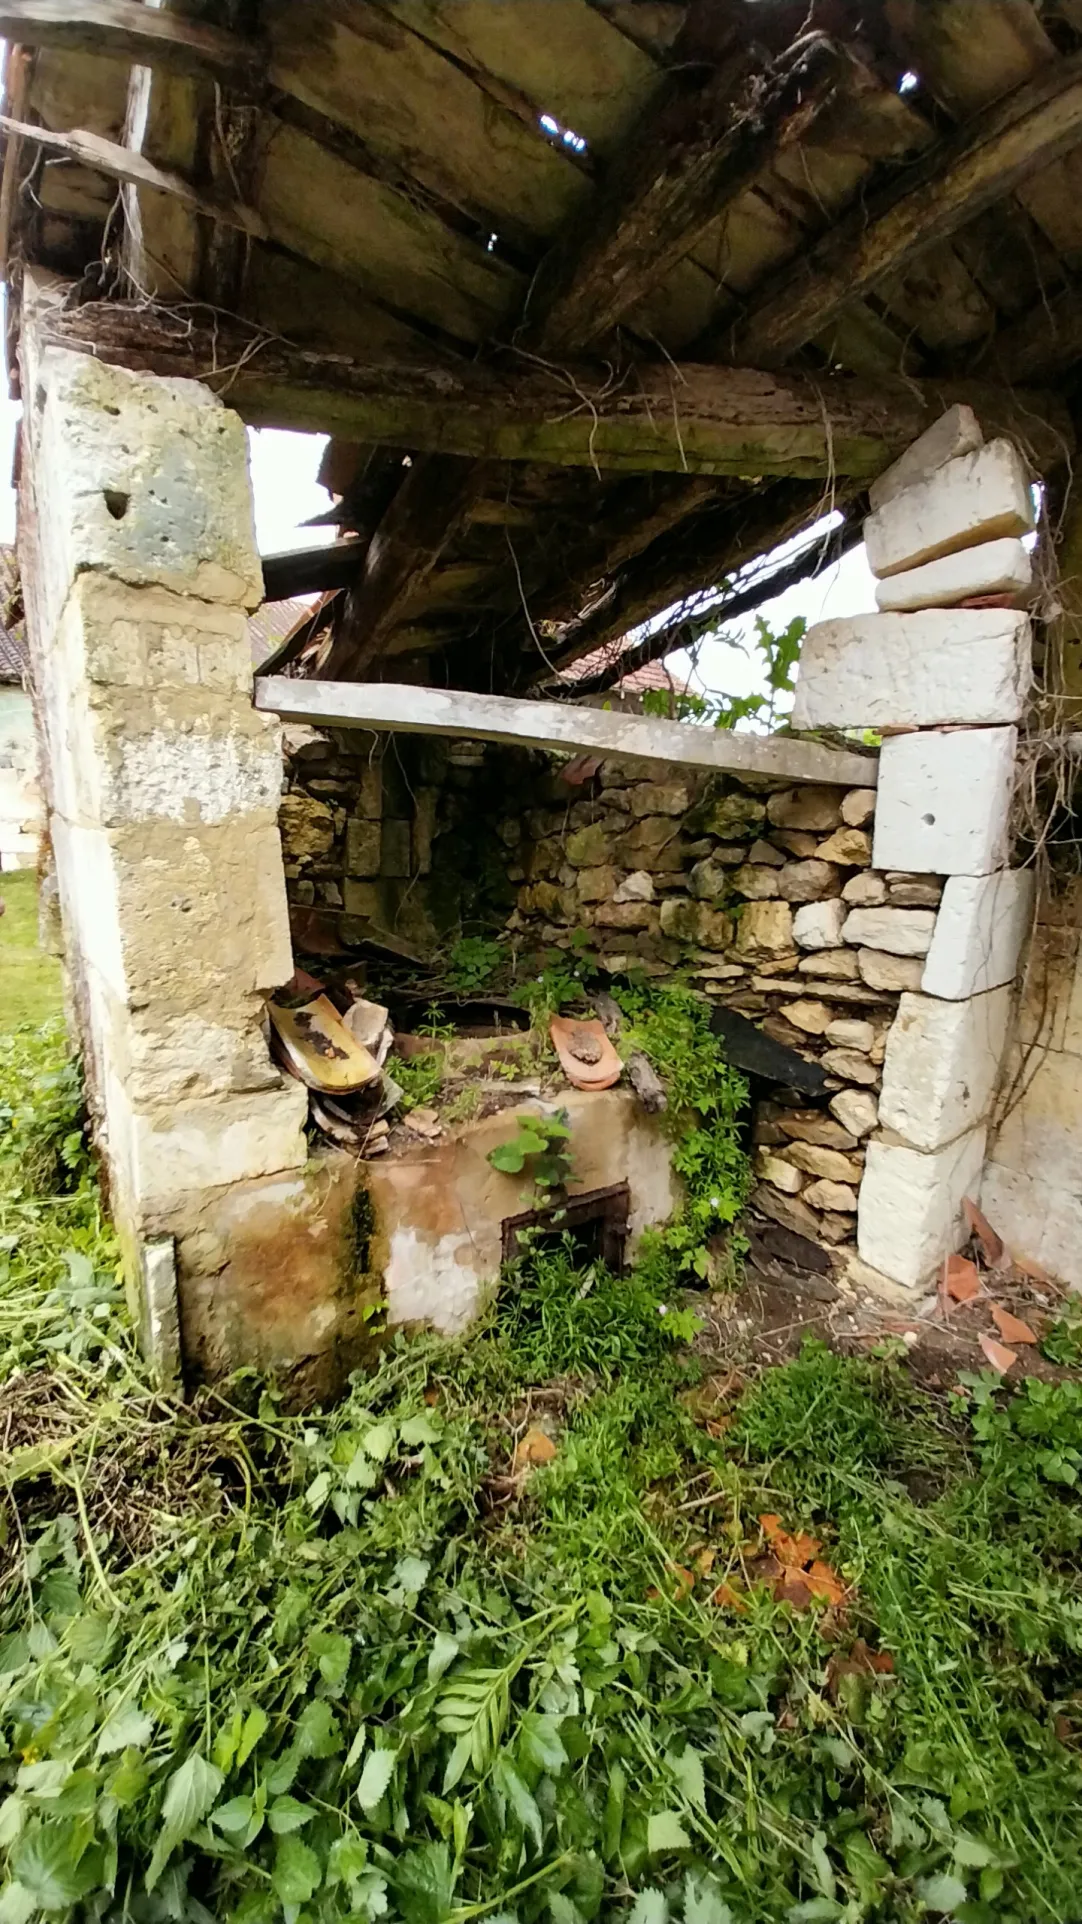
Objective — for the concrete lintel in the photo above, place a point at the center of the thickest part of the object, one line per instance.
(559, 726)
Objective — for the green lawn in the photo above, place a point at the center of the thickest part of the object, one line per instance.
(29, 979)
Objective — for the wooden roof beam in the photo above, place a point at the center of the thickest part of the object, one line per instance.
(125, 164)
(951, 183)
(128, 30)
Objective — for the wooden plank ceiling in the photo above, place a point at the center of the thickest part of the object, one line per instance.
(577, 197)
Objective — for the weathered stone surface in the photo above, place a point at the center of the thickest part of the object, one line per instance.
(967, 665)
(660, 798)
(919, 892)
(882, 971)
(627, 915)
(977, 497)
(941, 1066)
(363, 846)
(994, 568)
(865, 891)
(544, 859)
(807, 807)
(790, 1211)
(540, 898)
(396, 848)
(755, 884)
(910, 1205)
(764, 928)
(981, 926)
(944, 801)
(810, 1125)
(831, 1195)
(204, 1145)
(848, 1032)
(800, 843)
(654, 842)
(813, 1017)
(819, 925)
(307, 827)
(734, 817)
(835, 965)
(856, 1110)
(761, 851)
(858, 807)
(781, 1174)
(636, 887)
(849, 847)
(817, 1160)
(808, 881)
(851, 1066)
(710, 880)
(835, 1228)
(898, 931)
(117, 636)
(956, 432)
(599, 884)
(588, 847)
(694, 922)
(148, 482)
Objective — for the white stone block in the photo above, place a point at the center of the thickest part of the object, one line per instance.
(958, 431)
(909, 1212)
(898, 931)
(941, 1066)
(977, 497)
(818, 925)
(204, 1145)
(972, 665)
(944, 802)
(994, 568)
(878, 970)
(982, 923)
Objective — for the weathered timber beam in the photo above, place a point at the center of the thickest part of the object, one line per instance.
(129, 30)
(952, 182)
(691, 420)
(309, 571)
(557, 726)
(123, 163)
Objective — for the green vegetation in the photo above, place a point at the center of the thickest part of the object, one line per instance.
(29, 979)
(397, 1660)
(541, 1146)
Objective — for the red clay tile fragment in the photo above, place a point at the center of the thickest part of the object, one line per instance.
(1011, 1328)
(992, 1246)
(1000, 1358)
(961, 1279)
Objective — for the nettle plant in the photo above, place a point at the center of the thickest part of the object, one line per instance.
(541, 1148)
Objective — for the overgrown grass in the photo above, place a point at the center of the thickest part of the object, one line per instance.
(256, 1666)
(29, 979)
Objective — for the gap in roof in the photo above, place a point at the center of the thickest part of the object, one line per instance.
(549, 125)
(909, 82)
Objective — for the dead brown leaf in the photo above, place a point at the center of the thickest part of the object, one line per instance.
(860, 1661)
(727, 1598)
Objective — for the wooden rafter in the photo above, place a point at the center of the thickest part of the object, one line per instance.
(948, 186)
(130, 31)
(123, 163)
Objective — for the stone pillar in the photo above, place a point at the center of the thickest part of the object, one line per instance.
(944, 671)
(138, 551)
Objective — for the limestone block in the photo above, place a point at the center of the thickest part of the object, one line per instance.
(818, 925)
(976, 497)
(363, 840)
(817, 1160)
(831, 1195)
(882, 971)
(910, 1206)
(660, 798)
(203, 1145)
(858, 807)
(811, 1016)
(944, 802)
(807, 807)
(915, 892)
(851, 1066)
(994, 568)
(734, 816)
(982, 923)
(754, 883)
(850, 847)
(941, 1066)
(781, 1174)
(800, 843)
(849, 1032)
(808, 881)
(970, 665)
(709, 879)
(627, 915)
(810, 1125)
(761, 851)
(598, 884)
(306, 826)
(687, 921)
(636, 887)
(145, 479)
(856, 1110)
(865, 891)
(790, 1211)
(653, 843)
(588, 847)
(958, 431)
(898, 931)
(835, 965)
(125, 637)
(764, 929)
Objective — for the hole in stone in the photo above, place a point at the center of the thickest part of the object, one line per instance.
(117, 502)
(929, 820)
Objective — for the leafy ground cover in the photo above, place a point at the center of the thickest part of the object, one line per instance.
(554, 1623)
(29, 979)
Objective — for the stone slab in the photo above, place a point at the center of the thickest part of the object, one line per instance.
(982, 923)
(818, 925)
(977, 497)
(956, 432)
(969, 665)
(941, 1066)
(897, 931)
(909, 1212)
(993, 568)
(944, 802)
(204, 1145)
